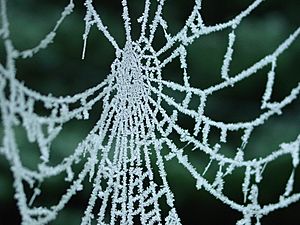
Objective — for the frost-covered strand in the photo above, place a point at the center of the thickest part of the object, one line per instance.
(235, 78)
(4, 31)
(144, 19)
(264, 210)
(126, 19)
(257, 66)
(269, 86)
(52, 99)
(277, 107)
(91, 13)
(228, 56)
(284, 149)
(180, 37)
(157, 18)
(50, 36)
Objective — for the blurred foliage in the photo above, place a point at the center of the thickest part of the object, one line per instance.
(59, 70)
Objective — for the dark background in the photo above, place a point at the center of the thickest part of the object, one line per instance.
(59, 70)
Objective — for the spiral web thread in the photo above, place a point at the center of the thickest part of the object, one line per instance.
(116, 154)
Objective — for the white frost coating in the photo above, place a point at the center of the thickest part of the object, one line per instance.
(122, 149)
(228, 56)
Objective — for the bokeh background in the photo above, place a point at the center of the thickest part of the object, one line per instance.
(61, 71)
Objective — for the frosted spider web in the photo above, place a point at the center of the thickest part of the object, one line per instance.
(116, 154)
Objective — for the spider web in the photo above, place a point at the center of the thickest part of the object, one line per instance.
(135, 128)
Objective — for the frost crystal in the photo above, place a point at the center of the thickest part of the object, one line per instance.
(134, 127)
